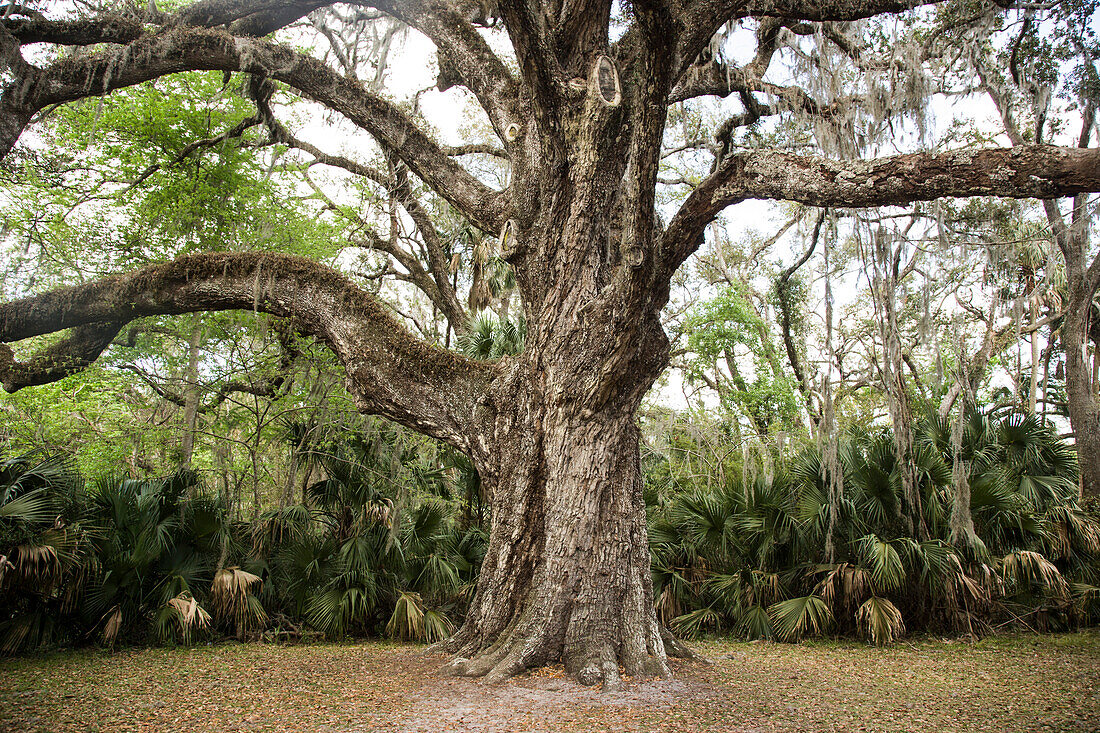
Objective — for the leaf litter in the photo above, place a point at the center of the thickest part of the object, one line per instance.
(1025, 683)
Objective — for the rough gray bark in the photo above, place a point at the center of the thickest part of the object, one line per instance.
(551, 431)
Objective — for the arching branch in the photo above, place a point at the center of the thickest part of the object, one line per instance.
(1036, 171)
(389, 372)
(241, 17)
(701, 19)
(189, 49)
(75, 352)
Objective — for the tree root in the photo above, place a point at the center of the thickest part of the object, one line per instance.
(599, 664)
(676, 648)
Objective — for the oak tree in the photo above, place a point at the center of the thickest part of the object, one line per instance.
(580, 107)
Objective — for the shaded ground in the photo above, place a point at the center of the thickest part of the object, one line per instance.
(1005, 684)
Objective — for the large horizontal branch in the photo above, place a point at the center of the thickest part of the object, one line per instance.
(389, 372)
(72, 354)
(243, 17)
(1037, 171)
(190, 49)
(247, 17)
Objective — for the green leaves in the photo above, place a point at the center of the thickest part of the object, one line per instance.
(887, 570)
(798, 617)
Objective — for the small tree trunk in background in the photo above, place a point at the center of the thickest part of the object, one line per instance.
(221, 468)
(961, 523)
(254, 456)
(1083, 412)
(191, 396)
(1033, 387)
(1048, 352)
(886, 274)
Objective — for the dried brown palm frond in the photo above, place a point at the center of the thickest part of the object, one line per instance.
(186, 615)
(961, 590)
(38, 564)
(668, 607)
(191, 614)
(1024, 567)
(231, 598)
(407, 621)
(380, 511)
(231, 585)
(5, 566)
(846, 585)
(1068, 530)
(113, 625)
(880, 620)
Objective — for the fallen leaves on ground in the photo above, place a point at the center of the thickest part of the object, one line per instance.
(1026, 683)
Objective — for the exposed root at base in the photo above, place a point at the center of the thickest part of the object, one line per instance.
(676, 648)
(598, 666)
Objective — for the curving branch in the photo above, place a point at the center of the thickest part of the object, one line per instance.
(194, 49)
(241, 17)
(1035, 171)
(75, 352)
(463, 52)
(389, 372)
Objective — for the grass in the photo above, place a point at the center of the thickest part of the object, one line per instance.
(1025, 683)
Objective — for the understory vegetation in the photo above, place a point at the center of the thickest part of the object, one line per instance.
(297, 325)
(388, 537)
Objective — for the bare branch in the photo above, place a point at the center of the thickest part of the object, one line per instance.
(701, 19)
(462, 51)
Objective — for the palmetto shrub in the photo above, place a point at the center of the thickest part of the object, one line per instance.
(44, 550)
(749, 557)
(381, 546)
(390, 538)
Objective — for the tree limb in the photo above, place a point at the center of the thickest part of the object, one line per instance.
(189, 49)
(1036, 171)
(389, 372)
(701, 19)
(463, 51)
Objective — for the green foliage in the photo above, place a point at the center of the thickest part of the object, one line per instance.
(488, 337)
(386, 543)
(748, 555)
(721, 331)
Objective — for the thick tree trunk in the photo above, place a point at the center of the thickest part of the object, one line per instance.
(567, 572)
(567, 575)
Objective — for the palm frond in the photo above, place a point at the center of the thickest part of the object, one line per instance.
(796, 617)
(880, 620)
(1025, 568)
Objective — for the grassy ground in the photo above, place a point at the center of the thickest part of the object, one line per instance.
(1002, 684)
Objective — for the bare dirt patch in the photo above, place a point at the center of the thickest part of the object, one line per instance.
(1007, 684)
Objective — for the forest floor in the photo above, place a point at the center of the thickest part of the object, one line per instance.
(1021, 683)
